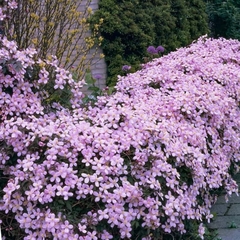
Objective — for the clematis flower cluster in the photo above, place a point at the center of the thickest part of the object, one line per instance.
(145, 159)
(147, 156)
(6, 7)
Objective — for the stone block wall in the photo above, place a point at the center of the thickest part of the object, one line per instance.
(98, 66)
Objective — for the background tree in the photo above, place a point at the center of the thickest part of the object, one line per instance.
(129, 27)
(55, 27)
(224, 18)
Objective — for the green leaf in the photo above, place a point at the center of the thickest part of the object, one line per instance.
(60, 201)
(69, 206)
(94, 88)
(17, 66)
(110, 90)
(89, 79)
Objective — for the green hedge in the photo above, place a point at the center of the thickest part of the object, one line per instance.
(130, 26)
(224, 18)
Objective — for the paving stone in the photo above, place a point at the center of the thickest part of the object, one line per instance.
(220, 209)
(233, 199)
(234, 210)
(225, 222)
(237, 178)
(229, 234)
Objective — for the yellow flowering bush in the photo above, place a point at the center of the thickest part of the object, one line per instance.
(55, 27)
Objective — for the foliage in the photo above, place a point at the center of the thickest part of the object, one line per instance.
(55, 27)
(129, 27)
(224, 18)
(233, 225)
(93, 91)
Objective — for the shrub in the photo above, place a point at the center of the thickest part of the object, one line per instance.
(224, 18)
(140, 163)
(129, 27)
(56, 27)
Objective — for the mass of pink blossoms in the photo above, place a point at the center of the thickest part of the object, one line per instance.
(144, 160)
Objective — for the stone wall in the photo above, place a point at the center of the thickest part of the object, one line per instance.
(98, 66)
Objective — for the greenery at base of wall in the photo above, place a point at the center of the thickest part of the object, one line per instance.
(130, 26)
